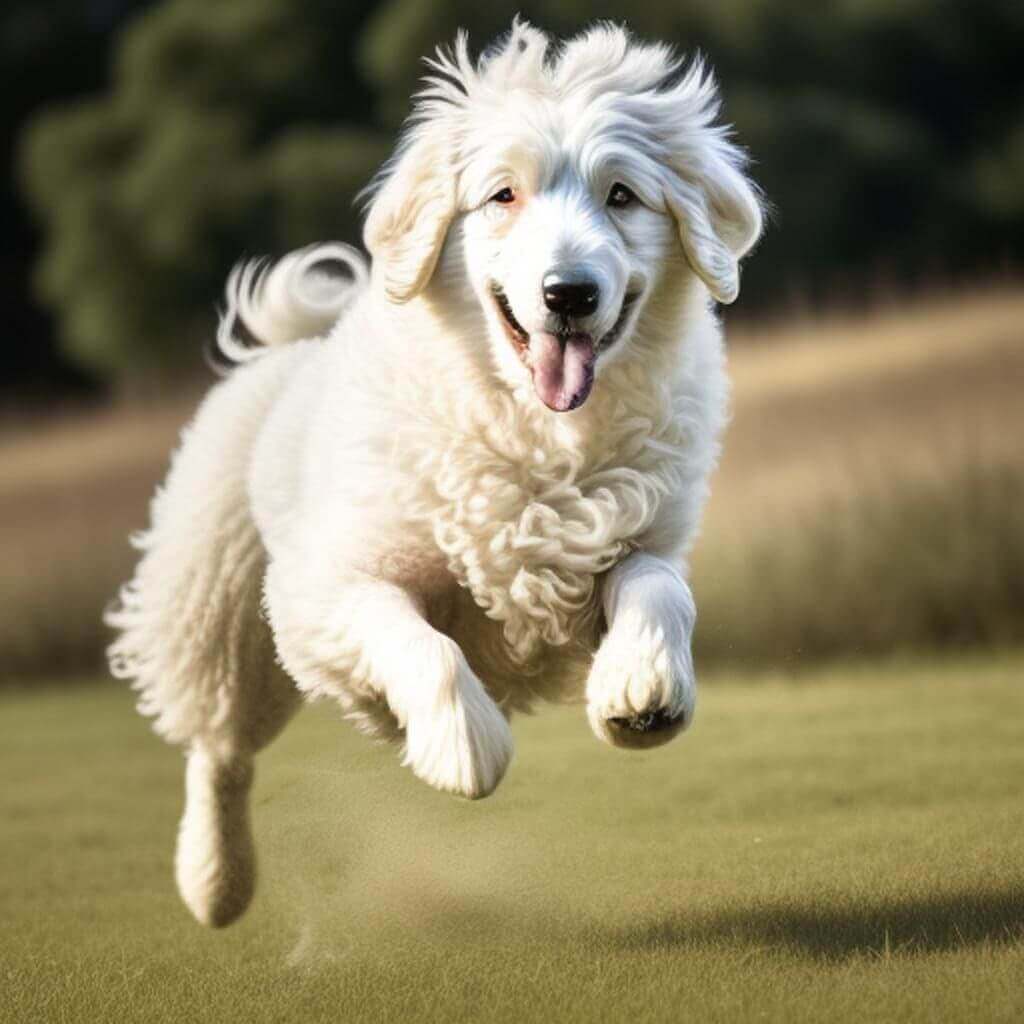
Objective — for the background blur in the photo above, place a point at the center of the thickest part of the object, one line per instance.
(841, 836)
(870, 497)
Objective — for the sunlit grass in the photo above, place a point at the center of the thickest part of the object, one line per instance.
(843, 846)
(921, 562)
(812, 353)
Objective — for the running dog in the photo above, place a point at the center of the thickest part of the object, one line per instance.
(442, 488)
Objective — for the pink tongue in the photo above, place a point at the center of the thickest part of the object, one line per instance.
(562, 376)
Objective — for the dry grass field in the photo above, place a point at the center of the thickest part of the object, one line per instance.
(868, 499)
(71, 492)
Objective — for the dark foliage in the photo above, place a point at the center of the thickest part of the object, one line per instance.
(888, 137)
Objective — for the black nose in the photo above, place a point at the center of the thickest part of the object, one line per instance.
(569, 294)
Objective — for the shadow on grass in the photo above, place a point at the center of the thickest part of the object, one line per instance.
(931, 924)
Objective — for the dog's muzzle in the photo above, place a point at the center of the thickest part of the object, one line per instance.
(562, 358)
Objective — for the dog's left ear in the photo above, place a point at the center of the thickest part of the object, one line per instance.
(409, 217)
(719, 218)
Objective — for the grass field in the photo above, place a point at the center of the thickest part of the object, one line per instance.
(847, 845)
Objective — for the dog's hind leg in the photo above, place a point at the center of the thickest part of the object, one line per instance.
(215, 863)
(366, 643)
(196, 646)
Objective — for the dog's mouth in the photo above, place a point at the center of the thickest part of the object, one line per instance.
(561, 361)
(517, 333)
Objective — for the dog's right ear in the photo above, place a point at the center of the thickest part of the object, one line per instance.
(409, 216)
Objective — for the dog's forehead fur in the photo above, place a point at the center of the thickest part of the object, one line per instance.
(602, 105)
(600, 102)
(603, 59)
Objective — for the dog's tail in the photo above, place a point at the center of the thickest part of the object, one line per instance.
(302, 295)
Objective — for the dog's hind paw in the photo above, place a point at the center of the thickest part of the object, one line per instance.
(215, 863)
(459, 741)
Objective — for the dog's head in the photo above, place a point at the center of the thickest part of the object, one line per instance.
(564, 186)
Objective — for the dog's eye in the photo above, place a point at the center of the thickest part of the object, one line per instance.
(505, 196)
(620, 196)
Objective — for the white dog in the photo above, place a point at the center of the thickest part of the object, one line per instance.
(485, 461)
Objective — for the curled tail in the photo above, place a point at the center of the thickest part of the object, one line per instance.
(302, 295)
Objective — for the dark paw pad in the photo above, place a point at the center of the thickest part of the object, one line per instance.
(647, 722)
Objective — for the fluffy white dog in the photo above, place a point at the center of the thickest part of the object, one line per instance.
(473, 466)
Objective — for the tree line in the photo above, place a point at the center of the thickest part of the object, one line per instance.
(888, 137)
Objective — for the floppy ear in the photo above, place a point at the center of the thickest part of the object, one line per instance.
(719, 219)
(409, 217)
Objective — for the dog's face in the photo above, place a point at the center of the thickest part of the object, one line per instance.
(561, 250)
(562, 192)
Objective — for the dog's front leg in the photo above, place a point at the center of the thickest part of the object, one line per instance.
(367, 640)
(641, 690)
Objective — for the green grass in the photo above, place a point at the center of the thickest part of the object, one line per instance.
(842, 846)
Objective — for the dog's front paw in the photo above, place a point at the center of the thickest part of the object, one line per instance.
(459, 741)
(641, 690)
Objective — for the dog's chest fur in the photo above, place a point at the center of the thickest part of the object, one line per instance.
(527, 522)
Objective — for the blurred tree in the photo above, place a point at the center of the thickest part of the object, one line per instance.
(887, 135)
(229, 127)
(48, 52)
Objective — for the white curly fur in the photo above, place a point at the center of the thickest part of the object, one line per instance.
(436, 513)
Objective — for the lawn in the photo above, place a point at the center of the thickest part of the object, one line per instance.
(845, 845)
